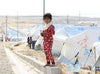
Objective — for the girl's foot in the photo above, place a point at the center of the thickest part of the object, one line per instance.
(53, 65)
(47, 65)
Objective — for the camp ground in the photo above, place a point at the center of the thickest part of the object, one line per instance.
(71, 44)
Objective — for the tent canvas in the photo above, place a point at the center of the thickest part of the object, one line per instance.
(61, 34)
(97, 64)
(96, 48)
(81, 43)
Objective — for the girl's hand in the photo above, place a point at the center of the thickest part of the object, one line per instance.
(44, 34)
(41, 34)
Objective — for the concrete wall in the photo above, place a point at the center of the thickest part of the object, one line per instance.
(39, 65)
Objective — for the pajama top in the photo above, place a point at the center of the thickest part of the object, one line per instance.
(50, 31)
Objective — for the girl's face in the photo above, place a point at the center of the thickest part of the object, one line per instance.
(47, 20)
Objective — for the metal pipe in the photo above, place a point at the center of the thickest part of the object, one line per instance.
(43, 7)
(43, 10)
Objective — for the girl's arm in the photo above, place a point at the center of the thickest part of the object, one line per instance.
(51, 31)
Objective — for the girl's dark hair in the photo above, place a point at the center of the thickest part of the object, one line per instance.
(47, 15)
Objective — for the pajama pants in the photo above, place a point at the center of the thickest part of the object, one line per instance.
(48, 51)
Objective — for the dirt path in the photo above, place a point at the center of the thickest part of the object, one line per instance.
(19, 65)
(5, 65)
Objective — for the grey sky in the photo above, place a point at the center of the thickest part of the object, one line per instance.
(89, 8)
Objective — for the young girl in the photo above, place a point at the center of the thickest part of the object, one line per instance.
(47, 34)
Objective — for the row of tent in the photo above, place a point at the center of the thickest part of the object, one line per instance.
(12, 33)
(72, 42)
(63, 31)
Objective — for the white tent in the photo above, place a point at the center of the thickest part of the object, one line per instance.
(81, 43)
(57, 45)
(39, 43)
(61, 34)
(35, 33)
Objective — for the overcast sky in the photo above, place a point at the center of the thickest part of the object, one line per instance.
(89, 8)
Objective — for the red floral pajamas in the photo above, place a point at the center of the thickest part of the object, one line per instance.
(48, 42)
